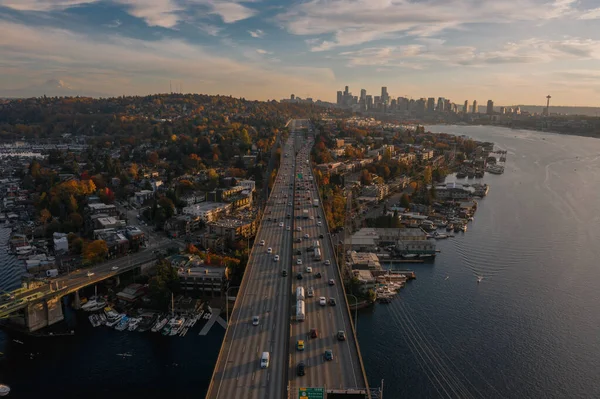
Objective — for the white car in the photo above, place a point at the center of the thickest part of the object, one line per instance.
(262, 243)
(298, 261)
(322, 301)
(269, 250)
(255, 320)
(90, 274)
(288, 228)
(308, 269)
(306, 235)
(310, 292)
(327, 262)
(114, 268)
(298, 228)
(280, 224)
(276, 258)
(311, 217)
(319, 223)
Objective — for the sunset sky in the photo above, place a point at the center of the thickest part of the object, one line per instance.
(511, 51)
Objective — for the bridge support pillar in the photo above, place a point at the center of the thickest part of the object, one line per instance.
(36, 316)
(55, 311)
(76, 301)
(118, 280)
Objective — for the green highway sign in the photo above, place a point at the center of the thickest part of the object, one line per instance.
(311, 393)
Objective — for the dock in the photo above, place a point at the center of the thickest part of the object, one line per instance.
(216, 313)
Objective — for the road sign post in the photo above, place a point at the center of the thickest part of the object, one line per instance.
(311, 393)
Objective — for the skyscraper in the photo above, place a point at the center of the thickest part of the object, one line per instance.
(363, 95)
(466, 107)
(369, 100)
(340, 97)
(475, 109)
(490, 107)
(346, 91)
(440, 104)
(384, 95)
(430, 104)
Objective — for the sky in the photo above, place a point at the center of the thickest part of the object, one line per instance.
(510, 51)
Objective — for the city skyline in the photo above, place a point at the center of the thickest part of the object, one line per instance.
(267, 49)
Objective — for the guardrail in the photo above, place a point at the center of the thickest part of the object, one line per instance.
(241, 289)
(341, 279)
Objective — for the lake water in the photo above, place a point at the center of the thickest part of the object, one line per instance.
(530, 329)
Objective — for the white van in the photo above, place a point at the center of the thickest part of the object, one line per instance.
(264, 360)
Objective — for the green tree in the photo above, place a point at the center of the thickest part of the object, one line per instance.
(164, 283)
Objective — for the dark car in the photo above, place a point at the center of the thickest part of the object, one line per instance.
(300, 369)
(299, 276)
(328, 354)
(332, 301)
(321, 236)
(341, 335)
(314, 333)
(298, 252)
(284, 273)
(318, 275)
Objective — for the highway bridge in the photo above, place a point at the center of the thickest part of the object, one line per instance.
(40, 306)
(264, 316)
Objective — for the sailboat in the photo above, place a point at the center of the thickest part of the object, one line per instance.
(479, 278)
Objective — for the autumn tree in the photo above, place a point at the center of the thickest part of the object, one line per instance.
(95, 251)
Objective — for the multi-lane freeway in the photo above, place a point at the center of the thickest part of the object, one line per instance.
(342, 369)
(264, 292)
(263, 318)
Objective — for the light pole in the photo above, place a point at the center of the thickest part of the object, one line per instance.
(227, 304)
(355, 313)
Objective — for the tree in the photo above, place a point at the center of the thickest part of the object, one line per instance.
(164, 283)
(405, 201)
(427, 175)
(167, 205)
(365, 178)
(76, 219)
(71, 204)
(76, 246)
(45, 216)
(95, 251)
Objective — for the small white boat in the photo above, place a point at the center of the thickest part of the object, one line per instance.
(134, 323)
(113, 322)
(479, 279)
(160, 324)
(4, 390)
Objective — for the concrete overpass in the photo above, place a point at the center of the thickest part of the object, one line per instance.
(268, 293)
(40, 306)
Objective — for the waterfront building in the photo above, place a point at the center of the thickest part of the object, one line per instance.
(490, 107)
(475, 109)
(454, 191)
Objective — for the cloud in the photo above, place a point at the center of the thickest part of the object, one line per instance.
(230, 11)
(261, 51)
(43, 5)
(434, 53)
(353, 22)
(211, 30)
(162, 13)
(114, 24)
(117, 65)
(256, 33)
(591, 14)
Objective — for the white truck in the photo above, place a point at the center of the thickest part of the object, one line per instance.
(299, 294)
(316, 203)
(305, 213)
(317, 253)
(300, 311)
